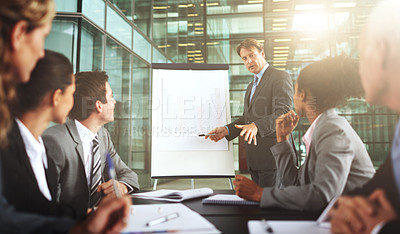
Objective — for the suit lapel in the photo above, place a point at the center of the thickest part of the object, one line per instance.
(102, 151)
(51, 178)
(260, 86)
(73, 131)
(22, 155)
(247, 97)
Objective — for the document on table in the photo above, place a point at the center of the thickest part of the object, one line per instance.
(287, 227)
(321, 226)
(174, 195)
(187, 221)
(228, 199)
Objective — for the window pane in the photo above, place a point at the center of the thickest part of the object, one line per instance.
(141, 46)
(119, 28)
(125, 6)
(118, 68)
(91, 48)
(63, 38)
(141, 115)
(95, 11)
(66, 6)
(143, 16)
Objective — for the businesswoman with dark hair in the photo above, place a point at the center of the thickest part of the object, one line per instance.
(47, 97)
(336, 161)
(24, 25)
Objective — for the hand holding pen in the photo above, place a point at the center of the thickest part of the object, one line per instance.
(112, 187)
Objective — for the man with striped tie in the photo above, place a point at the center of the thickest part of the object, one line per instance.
(79, 147)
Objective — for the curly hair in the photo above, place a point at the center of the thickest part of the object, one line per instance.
(35, 13)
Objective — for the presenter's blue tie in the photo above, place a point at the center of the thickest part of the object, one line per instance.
(395, 154)
(95, 174)
(253, 89)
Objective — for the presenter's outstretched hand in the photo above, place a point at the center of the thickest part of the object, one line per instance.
(360, 214)
(220, 132)
(249, 132)
(285, 124)
(247, 189)
(109, 217)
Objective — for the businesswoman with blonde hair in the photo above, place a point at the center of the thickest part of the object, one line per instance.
(24, 25)
(336, 161)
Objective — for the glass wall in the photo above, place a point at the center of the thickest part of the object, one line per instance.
(123, 37)
(294, 33)
(106, 37)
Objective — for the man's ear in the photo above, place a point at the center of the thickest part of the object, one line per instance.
(56, 97)
(99, 106)
(18, 34)
(302, 95)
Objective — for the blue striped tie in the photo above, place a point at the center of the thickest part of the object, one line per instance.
(254, 88)
(95, 174)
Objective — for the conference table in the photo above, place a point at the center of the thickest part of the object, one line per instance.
(233, 218)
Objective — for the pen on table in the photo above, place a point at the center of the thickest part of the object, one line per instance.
(112, 174)
(163, 219)
(201, 135)
(268, 228)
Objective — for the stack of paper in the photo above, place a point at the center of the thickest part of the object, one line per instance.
(187, 221)
(174, 195)
(228, 199)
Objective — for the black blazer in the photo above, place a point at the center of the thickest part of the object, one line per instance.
(384, 179)
(20, 187)
(272, 98)
(12, 221)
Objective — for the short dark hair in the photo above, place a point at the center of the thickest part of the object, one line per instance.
(249, 43)
(331, 81)
(90, 87)
(52, 72)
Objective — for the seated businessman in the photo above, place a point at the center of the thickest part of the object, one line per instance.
(375, 208)
(79, 147)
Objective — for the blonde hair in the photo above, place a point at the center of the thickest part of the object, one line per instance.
(35, 13)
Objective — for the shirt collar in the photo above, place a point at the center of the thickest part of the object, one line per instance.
(34, 148)
(261, 73)
(308, 136)
(85, 134)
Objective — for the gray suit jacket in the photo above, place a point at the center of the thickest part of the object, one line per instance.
(337, 162)
(272, 98)
(64, 146)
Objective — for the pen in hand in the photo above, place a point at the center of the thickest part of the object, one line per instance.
(201, 135)
(163, 219)
(113, 175)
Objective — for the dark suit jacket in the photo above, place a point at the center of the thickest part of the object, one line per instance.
(12, 221)
(272, 98)
(19, 182)
(384, 179)
(64, 146)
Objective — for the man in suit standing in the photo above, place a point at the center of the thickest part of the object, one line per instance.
(375, 208)
(79, 147)
(267, 97)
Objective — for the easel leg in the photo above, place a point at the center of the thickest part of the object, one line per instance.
(230, 183)
(155, 184)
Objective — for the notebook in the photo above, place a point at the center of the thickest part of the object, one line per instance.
(174, 195)
(227, 199)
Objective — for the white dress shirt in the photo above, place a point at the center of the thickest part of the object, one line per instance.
(87, 137)
(37, 157)
(308, 136)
